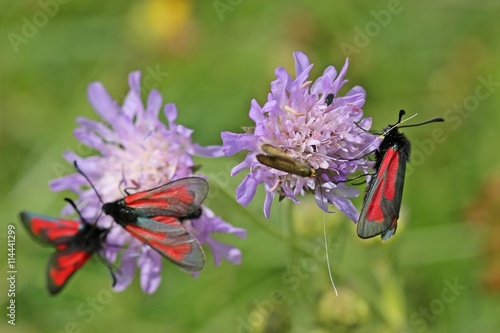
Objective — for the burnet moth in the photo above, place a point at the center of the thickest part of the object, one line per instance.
(75, 243)
(382, 201)
(278, 159)
(154, 217)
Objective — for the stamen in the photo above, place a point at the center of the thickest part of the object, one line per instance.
(292, 111)
(275, 186)
(305, 84)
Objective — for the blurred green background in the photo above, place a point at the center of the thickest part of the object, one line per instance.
(441, 271)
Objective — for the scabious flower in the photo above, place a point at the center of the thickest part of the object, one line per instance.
(136, 150)
(316, 126)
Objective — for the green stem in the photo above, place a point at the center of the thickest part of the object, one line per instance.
(286, 210)
(266, 225)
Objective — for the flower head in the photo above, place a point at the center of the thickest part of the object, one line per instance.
(136, 150)
(315, 126)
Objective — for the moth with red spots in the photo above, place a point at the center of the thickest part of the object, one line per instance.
(154, 217)
(382, 201)
(75, 243)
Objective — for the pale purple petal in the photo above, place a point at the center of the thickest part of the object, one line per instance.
(99, 128)
(208, 224)
(125, 273)
(89, 138)
(233, 142)
(154, 104)
(345, 206)
(339, 81)
(228, 252)
(256, 113)
(133, 105)
(115, 240)
(150, 264)
(246, 190)
(105, 106)
(268, 201)
(71, 182)
(207, 151)
(301, 63)
(170, 112)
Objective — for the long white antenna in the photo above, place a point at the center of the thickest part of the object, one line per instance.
(328, 257)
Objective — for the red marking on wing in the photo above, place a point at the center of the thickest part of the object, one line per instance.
(169, 238)
(173, 249)
(392, 171)
(170, 220)
(49, 229)
(160, 200)
(62, 246)
(63, 265)
(39, 225)
(177, 198)
(385, 186)
(62, 227)
(161, 197)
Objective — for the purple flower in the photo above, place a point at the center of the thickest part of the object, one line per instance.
(314, 125)
(138, 151)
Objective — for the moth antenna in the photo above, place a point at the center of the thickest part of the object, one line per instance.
(126, 190)
(360, 183)
(361, 128)
(328, 257)
(346, 159)
(356, 177)
(401, 114)
(72, 203)
(368, 146)
(433, 120)
(110, 268)
(381, 136)
(88, 180)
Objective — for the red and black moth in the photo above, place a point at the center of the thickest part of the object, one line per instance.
(154, 217)
(75, 242)
(382, 201)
